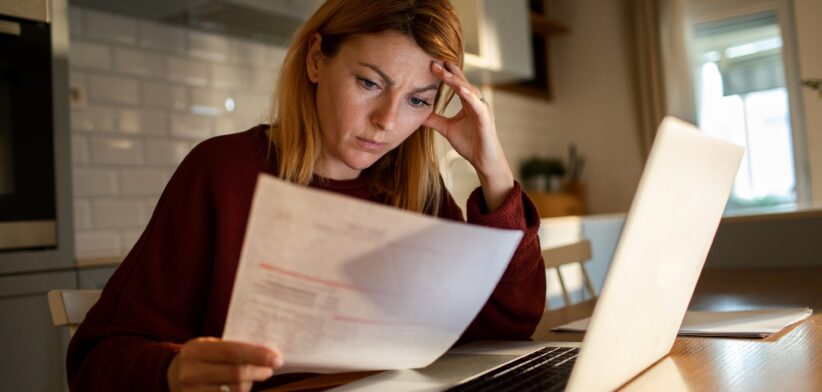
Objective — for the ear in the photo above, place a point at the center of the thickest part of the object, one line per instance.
(313, 57)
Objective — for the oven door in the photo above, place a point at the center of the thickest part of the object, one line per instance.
(27, 186)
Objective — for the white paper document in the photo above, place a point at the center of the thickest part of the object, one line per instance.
(738, 324)
(340, 284)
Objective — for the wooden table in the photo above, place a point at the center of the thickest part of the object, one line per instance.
(788, 361)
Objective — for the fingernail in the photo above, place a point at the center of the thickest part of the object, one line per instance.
(278, 362)
(438, 66)
(272, 359)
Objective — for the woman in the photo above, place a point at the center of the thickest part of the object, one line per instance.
(355, 116)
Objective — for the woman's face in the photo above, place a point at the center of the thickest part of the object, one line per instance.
(375, 92)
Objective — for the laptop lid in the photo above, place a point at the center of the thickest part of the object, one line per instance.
(667, 234)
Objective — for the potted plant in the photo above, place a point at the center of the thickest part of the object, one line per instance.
(542, 174)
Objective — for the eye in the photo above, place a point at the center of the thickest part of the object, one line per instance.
(418, 103)
(368, 84)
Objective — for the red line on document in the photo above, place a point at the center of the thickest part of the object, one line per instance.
(309, 278)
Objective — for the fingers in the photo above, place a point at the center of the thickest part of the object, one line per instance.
(221, 351)
(452, 76)
(207, 373)
(476, 104)
(438, 123)
(207, 363)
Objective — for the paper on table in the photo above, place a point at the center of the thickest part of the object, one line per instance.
(739, 324)
(340, 284)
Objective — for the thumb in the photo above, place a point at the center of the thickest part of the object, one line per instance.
(437, 122)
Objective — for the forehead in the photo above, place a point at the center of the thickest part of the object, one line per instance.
(386, 49)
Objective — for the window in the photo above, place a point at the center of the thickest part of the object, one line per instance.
(742, 96)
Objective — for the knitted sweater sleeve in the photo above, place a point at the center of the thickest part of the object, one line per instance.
(517, 303)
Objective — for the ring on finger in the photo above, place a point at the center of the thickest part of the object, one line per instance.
(479, 95)
(225, 388)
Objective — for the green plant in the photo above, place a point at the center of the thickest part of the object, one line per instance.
(537, 166)
(542, 174)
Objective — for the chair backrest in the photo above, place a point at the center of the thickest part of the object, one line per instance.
(69, 307)
(577, 252)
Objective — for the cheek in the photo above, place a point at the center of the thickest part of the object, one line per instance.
(410, 123)
(414, 119)
(352, 102)
(343, 106)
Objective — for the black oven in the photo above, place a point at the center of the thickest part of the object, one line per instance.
(27, 179)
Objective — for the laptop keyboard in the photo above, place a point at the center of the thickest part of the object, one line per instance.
(547, 369)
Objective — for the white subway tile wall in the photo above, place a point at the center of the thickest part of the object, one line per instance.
(82, 215)
(90, 55)
(526, 127)
(114, 89)
(79, 150)
(117, 214)
(169, 39)
(92, 244)
(143, 182)
(92, 118)
(143, 94)
(116, 151)
(109, 27)
(95, 182)
(164, 95)
(138, 62)
(143, 122)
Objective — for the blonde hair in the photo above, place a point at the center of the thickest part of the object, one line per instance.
(407, 176)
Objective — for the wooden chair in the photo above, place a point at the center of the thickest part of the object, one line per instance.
(577, 252)
(69, 307)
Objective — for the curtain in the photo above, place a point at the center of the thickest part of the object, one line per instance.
(659, 59)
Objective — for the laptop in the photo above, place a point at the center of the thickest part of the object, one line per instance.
(660, 254)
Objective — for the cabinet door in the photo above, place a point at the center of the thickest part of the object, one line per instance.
(497, 39)
(34, 350)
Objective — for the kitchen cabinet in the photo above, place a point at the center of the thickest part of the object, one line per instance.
(497, 40)
(34, 351)
(59, 256)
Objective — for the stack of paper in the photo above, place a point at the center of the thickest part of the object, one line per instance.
(740, 324)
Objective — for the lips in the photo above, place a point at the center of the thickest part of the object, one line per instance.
(370, 145)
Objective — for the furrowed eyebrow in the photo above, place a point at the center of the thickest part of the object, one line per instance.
(379, 71)
(426, 88)
(390, 81)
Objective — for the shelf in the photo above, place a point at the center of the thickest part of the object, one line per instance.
(554, 204)
(542, 26)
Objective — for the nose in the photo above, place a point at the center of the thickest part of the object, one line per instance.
(384, 115)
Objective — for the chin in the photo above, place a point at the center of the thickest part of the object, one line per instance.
(362, 162)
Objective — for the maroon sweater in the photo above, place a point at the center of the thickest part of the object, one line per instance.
(176, 282)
